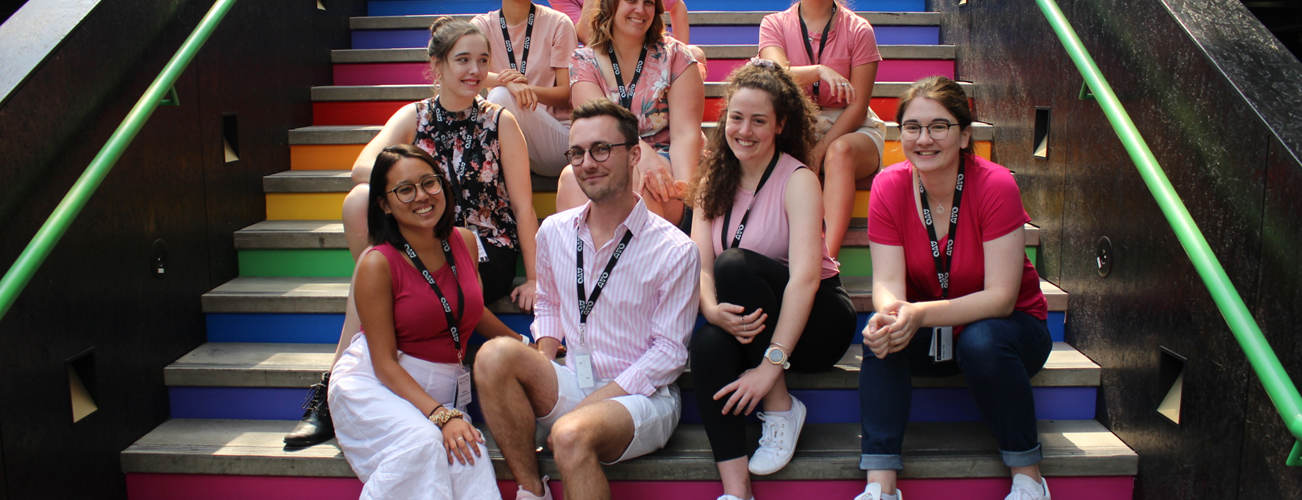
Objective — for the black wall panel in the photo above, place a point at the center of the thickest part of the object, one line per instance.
(1215, 147)
(96, 292)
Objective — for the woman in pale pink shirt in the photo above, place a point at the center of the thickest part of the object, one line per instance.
(771, 293)
(532, 80)
(833, 53)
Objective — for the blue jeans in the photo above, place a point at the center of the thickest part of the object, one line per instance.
(997, 356)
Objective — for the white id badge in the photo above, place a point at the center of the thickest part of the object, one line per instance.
(583, 368)
(943, 343)
(463, 389)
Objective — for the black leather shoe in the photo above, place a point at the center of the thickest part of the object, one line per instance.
(315, 427)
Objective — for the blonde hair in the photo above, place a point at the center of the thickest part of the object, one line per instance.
(603, 22)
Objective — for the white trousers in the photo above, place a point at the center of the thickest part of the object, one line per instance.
(546, 137)
(391, 446)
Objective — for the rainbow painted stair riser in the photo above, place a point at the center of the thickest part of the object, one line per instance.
(431, 7)
(701, 35)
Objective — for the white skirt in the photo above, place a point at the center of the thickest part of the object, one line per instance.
(391, 446)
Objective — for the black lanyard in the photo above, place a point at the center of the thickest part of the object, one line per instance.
(626, 95)
(822, 44)
(585, 304)
(447, 309)
(943, 265)
(470, 148)
(528, 33)
(741, 226)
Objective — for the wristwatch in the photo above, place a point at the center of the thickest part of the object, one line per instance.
(777, 355)
(441, 417)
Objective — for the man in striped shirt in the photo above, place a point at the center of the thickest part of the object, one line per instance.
(619, 285)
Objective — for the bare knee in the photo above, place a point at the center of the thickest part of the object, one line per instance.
(571, 441)
(497, 358)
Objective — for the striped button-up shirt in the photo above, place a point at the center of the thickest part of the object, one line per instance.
(640, 326)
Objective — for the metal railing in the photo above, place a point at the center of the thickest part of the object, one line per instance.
(1264, 362)
(21, 272)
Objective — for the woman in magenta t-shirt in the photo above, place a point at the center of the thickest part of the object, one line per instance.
(953, 291)
(833, 53)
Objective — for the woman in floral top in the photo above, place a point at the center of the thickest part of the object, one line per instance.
(630, 34)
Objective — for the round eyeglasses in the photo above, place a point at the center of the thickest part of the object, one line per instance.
(937, 130)
(598, 151)
(406, 193)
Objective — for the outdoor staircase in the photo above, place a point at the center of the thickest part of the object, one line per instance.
(272, 331)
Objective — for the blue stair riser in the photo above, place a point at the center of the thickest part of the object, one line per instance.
(949, 404)
(324, 328)
(429, 7)
(701, 35)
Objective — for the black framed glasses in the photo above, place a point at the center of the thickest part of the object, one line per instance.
(406, 193)
(937, 130)
(598, 151)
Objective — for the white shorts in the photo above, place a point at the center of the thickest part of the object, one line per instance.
(654, 417)
(873, 127)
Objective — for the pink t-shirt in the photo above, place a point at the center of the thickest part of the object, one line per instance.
(991, 207)
(574, 8)
(768, 232)
(550, 46)
(851, 43)
(664, 62)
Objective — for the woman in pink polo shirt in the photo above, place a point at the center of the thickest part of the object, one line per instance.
(833, 53)
(953, 291)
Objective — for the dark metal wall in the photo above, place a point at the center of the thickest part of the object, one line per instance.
(97, 292)
(1210, 128)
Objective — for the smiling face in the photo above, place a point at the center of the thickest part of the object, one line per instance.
(466, 66)
(602, 180)
(752, 126)
(633, 17)
(424, 211)
(928, 154)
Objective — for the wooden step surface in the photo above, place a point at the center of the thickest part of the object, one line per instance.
(217, 364)
(824, 452)
(694, 18)
(361, 134)
(418, 92)
(712, 52)
(330, 295)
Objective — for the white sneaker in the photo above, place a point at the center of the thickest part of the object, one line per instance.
(1025, 488)
(523, 494)
(778, 439)
(874, 492)
(732, 497)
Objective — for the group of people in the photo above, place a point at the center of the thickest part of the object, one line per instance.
(655, 224)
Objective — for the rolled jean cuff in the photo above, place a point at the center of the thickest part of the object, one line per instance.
(1014, 458)
(886, 462)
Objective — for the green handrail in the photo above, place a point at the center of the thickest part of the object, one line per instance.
(1278, 386)
(21, 272)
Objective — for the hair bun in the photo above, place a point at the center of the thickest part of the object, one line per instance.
(763, 63)
(439, 23)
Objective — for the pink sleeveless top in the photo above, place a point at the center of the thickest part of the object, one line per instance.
(418, 318)
(767, 231)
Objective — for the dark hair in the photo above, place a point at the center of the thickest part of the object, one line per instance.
(605, 18)
(714, 187)
(601, 106)
(383, 228)
(945, 92)
(444, 33)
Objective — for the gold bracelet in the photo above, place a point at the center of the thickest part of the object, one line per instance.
(441, 418)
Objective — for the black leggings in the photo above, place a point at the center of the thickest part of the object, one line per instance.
(498, 273)
(751, 280)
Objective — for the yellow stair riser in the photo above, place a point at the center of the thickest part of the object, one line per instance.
(326, 206)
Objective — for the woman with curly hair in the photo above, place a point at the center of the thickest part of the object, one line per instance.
(770, 292)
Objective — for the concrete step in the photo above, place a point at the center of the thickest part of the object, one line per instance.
(218, 364)
(329, 295)
(361, 134)
(712, 52)
(824, 452)
(314, 234)
(695, 18)
(418, 92)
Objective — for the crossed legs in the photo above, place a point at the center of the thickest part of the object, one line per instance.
(849, 158)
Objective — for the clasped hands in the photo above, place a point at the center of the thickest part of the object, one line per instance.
(891, 329)
(518, 85)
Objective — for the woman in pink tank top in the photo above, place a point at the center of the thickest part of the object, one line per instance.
(771, 293)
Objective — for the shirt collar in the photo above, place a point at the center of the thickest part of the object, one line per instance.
(635, 222)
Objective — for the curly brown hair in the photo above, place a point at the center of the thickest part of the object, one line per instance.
(714, 187)
(604, 20)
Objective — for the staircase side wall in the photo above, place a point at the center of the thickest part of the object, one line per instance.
(96, 292)
(1202, 86)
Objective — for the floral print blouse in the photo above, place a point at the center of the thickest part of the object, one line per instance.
(465, 146)
(664, 62)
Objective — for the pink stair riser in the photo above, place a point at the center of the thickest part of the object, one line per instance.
(216, 487)
(890, 70)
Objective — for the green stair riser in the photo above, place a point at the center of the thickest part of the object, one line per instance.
(314, 263)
